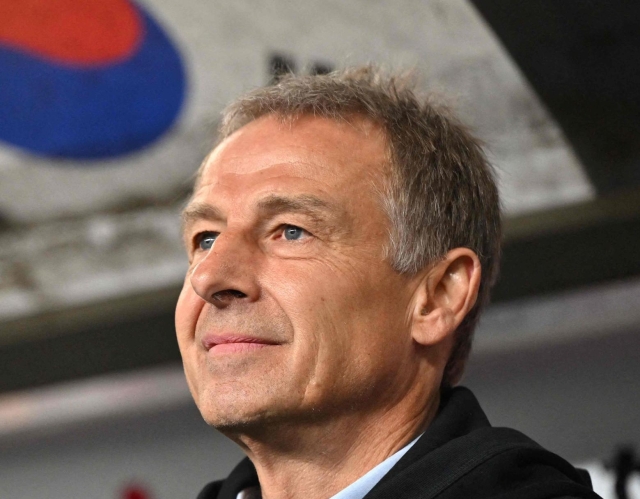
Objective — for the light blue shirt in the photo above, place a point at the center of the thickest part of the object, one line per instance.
(362, 486)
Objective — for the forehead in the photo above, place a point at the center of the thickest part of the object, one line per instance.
(335, 155)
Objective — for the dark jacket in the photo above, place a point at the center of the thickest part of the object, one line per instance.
(460, 456)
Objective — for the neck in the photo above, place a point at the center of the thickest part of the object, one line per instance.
(317, 460)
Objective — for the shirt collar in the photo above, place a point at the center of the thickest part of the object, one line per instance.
(360, 488)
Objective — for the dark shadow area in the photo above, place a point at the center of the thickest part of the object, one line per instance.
(583, 59)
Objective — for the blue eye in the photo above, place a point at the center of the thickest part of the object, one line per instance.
(206, 239)
(293, 233)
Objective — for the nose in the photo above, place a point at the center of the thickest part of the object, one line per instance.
(227, 274)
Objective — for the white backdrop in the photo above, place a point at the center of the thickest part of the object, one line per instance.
(83, 231)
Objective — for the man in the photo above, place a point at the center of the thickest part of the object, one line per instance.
(342, 239)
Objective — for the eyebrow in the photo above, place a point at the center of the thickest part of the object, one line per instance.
(311, 206)
(200, 211)
(316, 208)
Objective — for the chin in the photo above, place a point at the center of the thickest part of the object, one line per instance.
(233, 413)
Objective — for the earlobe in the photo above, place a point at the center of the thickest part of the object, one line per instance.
(447, 292)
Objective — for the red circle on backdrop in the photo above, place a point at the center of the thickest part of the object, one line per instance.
(135, 492)
(71, 31)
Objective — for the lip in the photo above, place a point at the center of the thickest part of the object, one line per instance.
(234, 343)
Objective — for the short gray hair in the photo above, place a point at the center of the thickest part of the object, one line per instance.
(441, 189)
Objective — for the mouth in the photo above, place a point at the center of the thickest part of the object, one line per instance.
(231, 343)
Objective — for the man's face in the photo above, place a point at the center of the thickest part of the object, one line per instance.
(289, 310)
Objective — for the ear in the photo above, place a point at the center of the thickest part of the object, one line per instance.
(447, 292)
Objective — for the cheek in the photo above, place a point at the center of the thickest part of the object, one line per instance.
(336, 302)
(362, 317)
(188, 310)
(330, 312)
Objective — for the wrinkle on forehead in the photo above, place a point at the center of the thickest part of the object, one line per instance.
(307, 136)
(299, 169)
(322, 146)
(316, 154)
